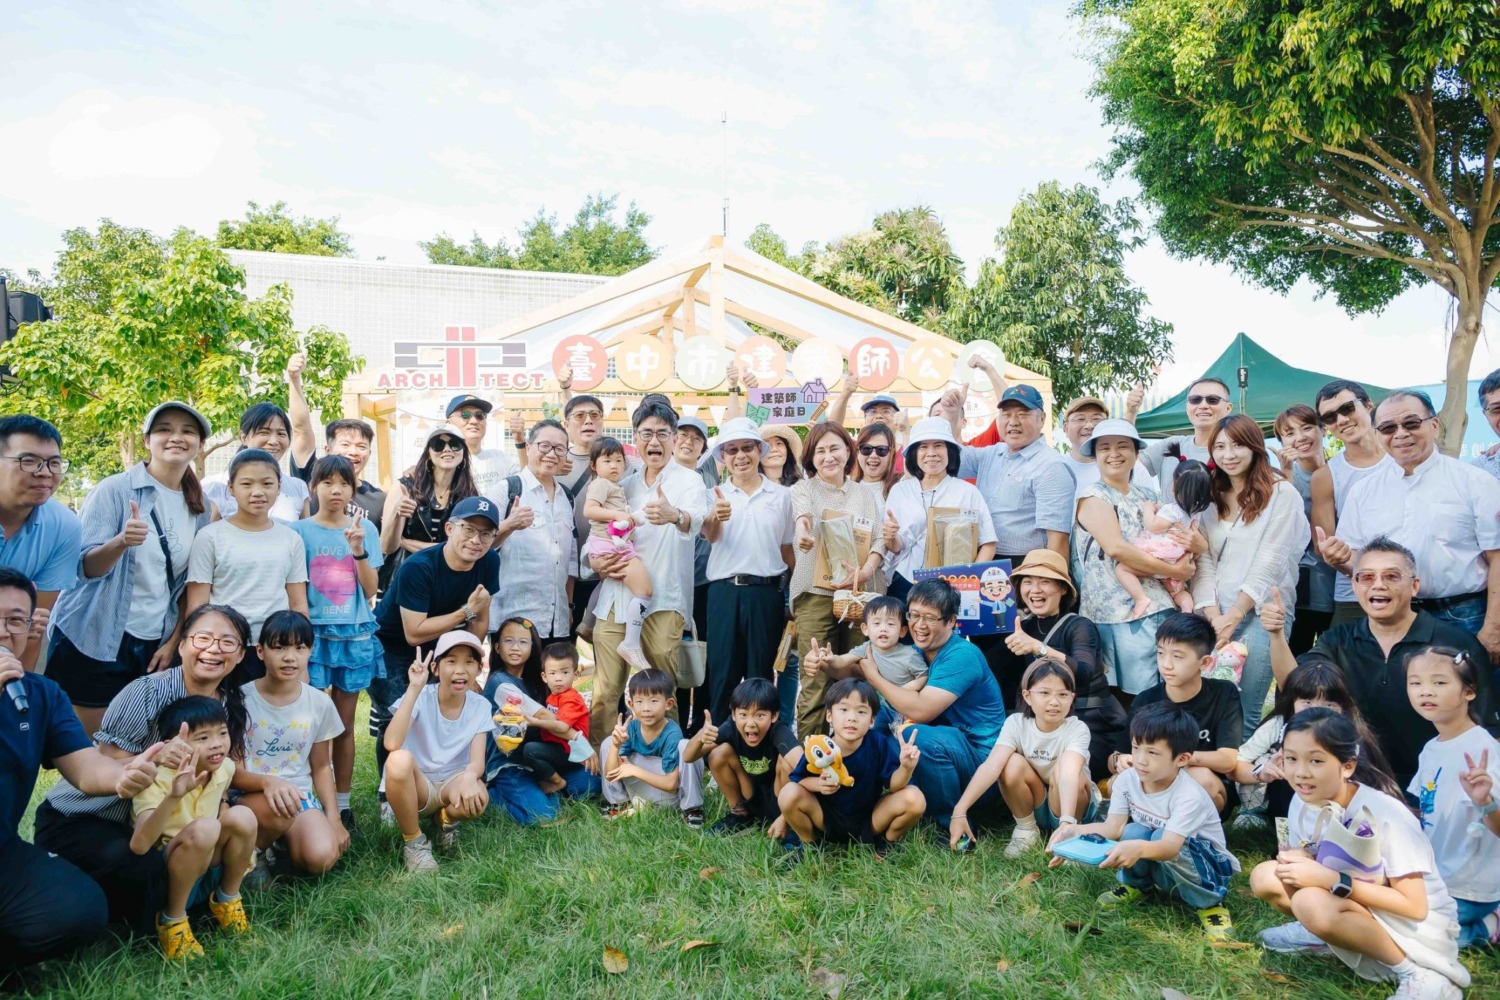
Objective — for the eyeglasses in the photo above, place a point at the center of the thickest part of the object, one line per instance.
(17, 626)
(447, 444)
(919, 619)
(548, 448)
(1410, 425)
(515, 642)
(471, 414)
(1211, 400)
(1390, 577)
(586, 415)
(661, 435)
(741, 448)
(1085, 419)
(207, 640)
(874, 449)
(1329, 418)
(36, 463)
(467, 530)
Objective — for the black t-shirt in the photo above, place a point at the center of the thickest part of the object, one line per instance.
(759, 761)
(1221, 723)
(49, 730)
(426, 583)
(367, 495)
(871, 766)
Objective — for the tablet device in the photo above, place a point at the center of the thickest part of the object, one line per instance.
(1089, 850)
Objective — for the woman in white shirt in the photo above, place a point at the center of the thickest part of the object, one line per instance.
(1256, 532)
(932, 463)
(267, 427)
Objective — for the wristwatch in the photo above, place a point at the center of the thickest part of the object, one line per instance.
(469, 616)
(1046, 650)
(1344, 887)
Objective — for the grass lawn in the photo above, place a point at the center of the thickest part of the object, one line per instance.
(530, 913)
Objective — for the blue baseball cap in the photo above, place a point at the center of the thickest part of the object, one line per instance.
(881, 400)
(476, 507)
(1023, 394)
(467, 399)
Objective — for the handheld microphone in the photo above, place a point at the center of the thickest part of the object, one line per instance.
(17, 691)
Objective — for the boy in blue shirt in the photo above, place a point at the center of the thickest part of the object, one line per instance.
(643, 759)
(820, 809)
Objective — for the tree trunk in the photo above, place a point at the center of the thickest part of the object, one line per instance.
(1465, 337)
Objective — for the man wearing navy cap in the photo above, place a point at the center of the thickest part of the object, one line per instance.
(487, 466)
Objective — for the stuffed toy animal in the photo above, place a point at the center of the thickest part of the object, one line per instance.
(510, 725)
(1229, 662)
(620, 532)
(823, 755)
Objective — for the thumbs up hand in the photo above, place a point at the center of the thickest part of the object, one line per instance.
(708, 736)
(1273, 613)
(721, 509)
(659, 511)
(890, 532)
(1335, 551)
(136, 529)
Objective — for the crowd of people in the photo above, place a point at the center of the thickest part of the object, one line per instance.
(1207, 638)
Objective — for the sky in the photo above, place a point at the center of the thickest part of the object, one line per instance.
(412, 119)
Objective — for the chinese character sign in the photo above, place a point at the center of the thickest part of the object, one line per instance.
(978, 380)
(585, 356)
(928, 363)
(763, 357)
(701, 362)
(874, 362)
(820, 358)
(643, 361)
(803, 405)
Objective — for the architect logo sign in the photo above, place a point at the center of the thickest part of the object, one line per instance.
(458, 362)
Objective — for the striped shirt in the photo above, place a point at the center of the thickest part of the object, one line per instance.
(863, 501)
(130, 724)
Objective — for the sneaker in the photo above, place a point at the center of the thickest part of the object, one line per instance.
(387, 814)
(177, 941)
(1121, 895)
(693, 818)
(1250, 821)
(230, 914)
(1217, 923)
(1292, 939)
(609, 810)
(416, 855)
(1426, 985)
(792, 854)
(731, 824)
(885, 847)
(1022, 841)
(346, 817)
(1492, 928)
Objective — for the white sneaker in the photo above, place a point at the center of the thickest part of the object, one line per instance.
(387, 814)
(1424, 984)
(416, 855)
(1292, 939)
(1022, 841)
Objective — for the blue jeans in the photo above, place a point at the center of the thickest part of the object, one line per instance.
(786, 688)
(948, 763)
(1127, 652)
(1255, 682)
(1183, 878)
(1467, 615)
(1471, 931)
(515, 791)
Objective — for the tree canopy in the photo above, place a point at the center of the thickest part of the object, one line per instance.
(273, 230)
(138, 319)
(592, 243)
(1351, 143)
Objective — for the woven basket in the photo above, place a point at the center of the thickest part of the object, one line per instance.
(849, 606)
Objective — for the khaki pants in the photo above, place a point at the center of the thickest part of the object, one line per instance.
(660, 637)
(813, 614)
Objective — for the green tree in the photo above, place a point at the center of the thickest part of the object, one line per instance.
(1058, 300)
(137, 320)
(765, 241)
(273, 230)
(1352, 143)
(593, 243)
(904, 265)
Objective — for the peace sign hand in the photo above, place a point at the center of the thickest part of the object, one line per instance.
(910, 752)
(620, 734)
(417, 673)
(136, 529)
(1477, 783)
(354, 535)
(189, 778)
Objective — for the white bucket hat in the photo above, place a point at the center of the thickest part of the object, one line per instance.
(1113, 427)
(738, 429)
(931, 429)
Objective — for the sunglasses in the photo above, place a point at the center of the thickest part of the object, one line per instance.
(471, 414)
(1211, 400)
(447, 444)
(874, 449)
(1329, 418)
(1410, 425)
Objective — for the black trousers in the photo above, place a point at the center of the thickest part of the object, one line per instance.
(744, 629)
(135, 885)
(47, 905)
(546, 759)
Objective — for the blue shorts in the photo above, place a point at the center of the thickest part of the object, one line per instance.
(1128, 652)
(346, 657)
(1047, 821)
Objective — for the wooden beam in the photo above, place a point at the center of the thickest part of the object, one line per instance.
(651, 324)
(716, 325)
(695, 277)
(668, 300)
(759, 318)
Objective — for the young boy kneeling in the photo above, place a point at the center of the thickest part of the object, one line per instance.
(1169, 833)
(643, 758)
(751, 758)
(820, 808)
(185, 815)
(437, 740)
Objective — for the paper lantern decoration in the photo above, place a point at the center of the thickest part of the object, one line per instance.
(585, 356)
(763, 357)
(701, 363)
(928, 363)
(874, 362)
(818, 358)
(976, 379)
(642, 361)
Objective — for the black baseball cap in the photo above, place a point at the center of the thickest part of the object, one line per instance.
(467, 399)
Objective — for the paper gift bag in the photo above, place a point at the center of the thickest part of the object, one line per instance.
(784, 650)
(843, 545)
(952, 537)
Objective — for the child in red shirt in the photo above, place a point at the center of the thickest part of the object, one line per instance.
(553, 755)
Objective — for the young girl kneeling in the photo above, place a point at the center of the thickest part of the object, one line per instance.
(1399, 924)
(1455, 784)
(1041, 762)
(437, 740)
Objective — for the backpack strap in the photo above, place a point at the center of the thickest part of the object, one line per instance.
(512, 493)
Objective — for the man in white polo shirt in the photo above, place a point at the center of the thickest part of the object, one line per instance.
(1078, 423)
(1445, 511)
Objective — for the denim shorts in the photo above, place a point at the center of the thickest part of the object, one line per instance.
(1047, 821)
(1128, 652)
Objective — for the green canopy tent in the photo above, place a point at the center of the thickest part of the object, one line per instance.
(1271, 385)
